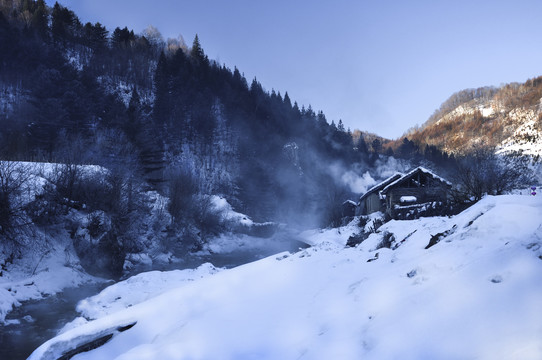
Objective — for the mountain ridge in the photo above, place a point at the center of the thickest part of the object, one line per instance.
(507, 118)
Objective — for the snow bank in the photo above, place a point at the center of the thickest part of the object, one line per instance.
(135, 290)
(139, 288)
(474, 294)
(40, 275)
(335, 236)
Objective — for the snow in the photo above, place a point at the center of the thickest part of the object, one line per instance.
(49, 264)
(227, 212)
(526, 139)
(335, 236)
(135, 290)
(123, 90)
(408, 199)
(49, 274)
(476, 294)
(487, 111)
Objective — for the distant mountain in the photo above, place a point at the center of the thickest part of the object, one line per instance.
(508, 118)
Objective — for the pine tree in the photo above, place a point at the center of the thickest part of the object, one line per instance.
(65, 25)
(362, 145)
(340, 126)
(196, 52)
(95, 36)
(40, 18)
(287, 100)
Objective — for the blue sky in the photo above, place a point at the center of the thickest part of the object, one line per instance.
(380, 66)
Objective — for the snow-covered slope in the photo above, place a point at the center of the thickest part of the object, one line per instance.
(476, 294)
(508, 118)
(527, 137)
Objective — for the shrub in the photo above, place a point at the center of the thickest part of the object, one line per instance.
(193, 214)
(14, 183)
(182, 188)
(388, 239)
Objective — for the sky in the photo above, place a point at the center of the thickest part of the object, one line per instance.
(380, 66)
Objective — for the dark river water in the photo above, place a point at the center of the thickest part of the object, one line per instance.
(40, 320)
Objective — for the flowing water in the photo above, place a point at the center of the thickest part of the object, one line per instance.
(40, 320)
(36, 321)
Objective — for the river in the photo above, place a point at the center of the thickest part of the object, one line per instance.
(36, 321)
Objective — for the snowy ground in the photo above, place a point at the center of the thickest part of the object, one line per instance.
(476, 294)
(40, 275)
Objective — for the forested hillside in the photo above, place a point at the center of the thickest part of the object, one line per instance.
(168, 126)
(507, 118)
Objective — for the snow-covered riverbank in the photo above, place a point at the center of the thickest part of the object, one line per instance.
(476, 293)
(37, 306)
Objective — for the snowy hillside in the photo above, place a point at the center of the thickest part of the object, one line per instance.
(508, 118)
(476, 293)
(526, 139)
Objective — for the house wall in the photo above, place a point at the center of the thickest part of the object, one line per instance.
(362, 208)
(348, 210)
(423, 194)
(373, 203)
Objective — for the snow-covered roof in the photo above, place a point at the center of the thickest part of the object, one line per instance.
(350, 202)
(381, 185)
(411, 173)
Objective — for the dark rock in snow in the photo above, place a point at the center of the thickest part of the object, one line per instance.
(435, 239)
(373, 259)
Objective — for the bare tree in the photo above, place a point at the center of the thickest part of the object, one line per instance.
(482, 172)
(155, 38)
(14, 180)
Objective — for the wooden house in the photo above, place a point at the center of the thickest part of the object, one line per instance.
(349, 208)
(371, 201)
(415, 189)
(404, 192)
